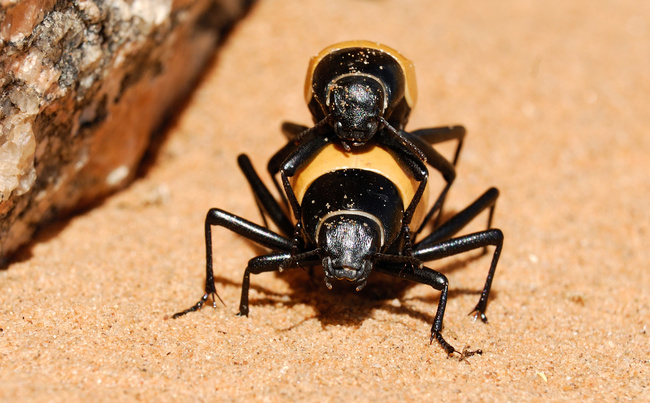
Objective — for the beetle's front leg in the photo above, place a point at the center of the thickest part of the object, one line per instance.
(408, 215)
(438, 281)
(416, 167)
(268, 263)
(257, 265)
(289, 167)
(466, 243)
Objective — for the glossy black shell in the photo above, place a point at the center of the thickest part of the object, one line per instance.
(369, 59)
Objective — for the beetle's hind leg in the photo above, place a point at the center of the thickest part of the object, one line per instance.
(267, 204)
(240, 226)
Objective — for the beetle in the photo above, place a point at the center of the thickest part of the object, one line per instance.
(353, 189)
(359, 91)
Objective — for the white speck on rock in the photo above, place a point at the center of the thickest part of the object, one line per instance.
(116, 176)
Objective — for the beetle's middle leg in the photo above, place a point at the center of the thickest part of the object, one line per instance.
(456, 223)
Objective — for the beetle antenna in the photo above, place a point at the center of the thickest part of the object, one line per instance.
(299, 257)
(402, 259)
(400, 137)
(312, 129)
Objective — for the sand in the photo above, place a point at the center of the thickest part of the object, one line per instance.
(554, 96)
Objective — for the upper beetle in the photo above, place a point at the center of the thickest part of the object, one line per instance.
(353, 186)
(358, 91)
(358, 87)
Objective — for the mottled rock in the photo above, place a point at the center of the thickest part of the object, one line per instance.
(84, 85)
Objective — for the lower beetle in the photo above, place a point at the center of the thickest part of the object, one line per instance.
(351, 211)
(351, 207)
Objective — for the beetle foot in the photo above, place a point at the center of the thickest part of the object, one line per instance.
(199, 305)
(243, 310)
(443, 343)
(478, 313)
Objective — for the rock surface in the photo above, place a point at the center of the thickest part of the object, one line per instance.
(84, 85)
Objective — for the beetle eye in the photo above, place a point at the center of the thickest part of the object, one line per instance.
(372, 126)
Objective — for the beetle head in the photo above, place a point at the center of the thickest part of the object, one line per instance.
(356, 102)
(348, 243)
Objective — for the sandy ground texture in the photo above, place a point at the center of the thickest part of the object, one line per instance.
(555, 99)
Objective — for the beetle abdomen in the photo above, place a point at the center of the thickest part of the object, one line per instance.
(353, 191)
(372, 158)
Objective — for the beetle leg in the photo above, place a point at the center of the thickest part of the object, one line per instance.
(423, 140)
(265, 200)
(292, 130)
(238, 225)
(257, 265)
(456, 223)
(407, 250)
(440, 164)
(297, 136)
(435, 135)
(274, 164)
(290, 165)
(454, 246)
(403, 140)
(425, 275)
(420, 172)
(296, 243)
(268, 263)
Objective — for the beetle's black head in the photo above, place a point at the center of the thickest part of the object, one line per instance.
(355, 102)
(344, 65)
(348, 243)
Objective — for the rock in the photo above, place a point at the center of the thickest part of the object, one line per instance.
(84, 85)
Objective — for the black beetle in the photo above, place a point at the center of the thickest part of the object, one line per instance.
(355, 182)
(361, 90)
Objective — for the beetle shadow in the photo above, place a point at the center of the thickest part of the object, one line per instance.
(343, 305)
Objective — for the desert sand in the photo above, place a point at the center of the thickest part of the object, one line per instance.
(554, 96)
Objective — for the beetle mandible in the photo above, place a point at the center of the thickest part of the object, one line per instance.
(354, 184)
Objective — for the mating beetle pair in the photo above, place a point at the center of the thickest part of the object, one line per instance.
(356, 185)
